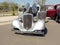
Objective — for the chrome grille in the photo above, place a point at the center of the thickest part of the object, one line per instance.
(27, 21)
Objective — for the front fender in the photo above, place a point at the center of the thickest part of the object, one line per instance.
(16, 24)
(40, 25)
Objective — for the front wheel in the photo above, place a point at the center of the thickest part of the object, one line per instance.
(44, 31)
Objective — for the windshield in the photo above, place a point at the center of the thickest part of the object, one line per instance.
(50, 8)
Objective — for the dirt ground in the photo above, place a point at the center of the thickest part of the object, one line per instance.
(8, 37)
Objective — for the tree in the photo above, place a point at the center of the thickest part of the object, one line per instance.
(14, 7)
(23, 6)
(5, 6)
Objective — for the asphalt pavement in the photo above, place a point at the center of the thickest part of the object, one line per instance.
(8, 36)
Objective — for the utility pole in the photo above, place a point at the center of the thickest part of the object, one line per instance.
(43, 2)
(39, 2)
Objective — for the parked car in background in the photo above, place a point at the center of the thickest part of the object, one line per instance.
(51, 12)
(58, 12)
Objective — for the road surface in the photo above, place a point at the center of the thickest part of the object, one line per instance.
(8, 37)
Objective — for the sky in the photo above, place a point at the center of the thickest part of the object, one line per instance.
(21, 2)
(52, 2)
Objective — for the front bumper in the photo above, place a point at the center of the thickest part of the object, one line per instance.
(31, 32)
